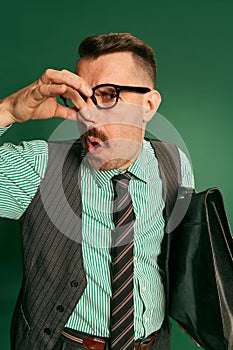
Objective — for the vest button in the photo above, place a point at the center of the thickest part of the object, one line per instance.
(47, 331)
(60, 308)
(74, 283)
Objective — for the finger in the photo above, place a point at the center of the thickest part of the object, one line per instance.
(68, 78)
(66, 113)
(44, 91)
(75, 98)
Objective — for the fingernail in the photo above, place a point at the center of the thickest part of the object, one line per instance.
(89, 91)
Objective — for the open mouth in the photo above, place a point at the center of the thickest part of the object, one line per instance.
(94, 144)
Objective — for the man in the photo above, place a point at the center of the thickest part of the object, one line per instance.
(64, 198)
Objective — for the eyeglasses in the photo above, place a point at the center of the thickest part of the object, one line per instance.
(106, 96)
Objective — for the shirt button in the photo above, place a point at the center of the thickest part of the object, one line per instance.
(74, 283)
(143, 288)
(147, 319)
(60, 308)
(135, 258)
(47, 331)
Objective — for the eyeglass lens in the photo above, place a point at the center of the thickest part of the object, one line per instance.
(106, 96)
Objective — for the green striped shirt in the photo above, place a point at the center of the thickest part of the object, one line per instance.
(21, 169)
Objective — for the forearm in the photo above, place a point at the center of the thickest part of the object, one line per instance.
(22, 168)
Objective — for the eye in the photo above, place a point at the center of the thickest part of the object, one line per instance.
(106, 93)
(108, 96)
(105, 96)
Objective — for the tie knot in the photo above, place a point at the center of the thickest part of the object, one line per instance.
(122, 179)
(121, 184)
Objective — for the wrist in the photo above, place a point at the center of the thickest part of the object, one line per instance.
(6, 118)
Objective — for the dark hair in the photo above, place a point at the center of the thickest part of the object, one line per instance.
(98, 45)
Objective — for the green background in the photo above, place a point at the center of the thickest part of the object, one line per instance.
(193, 44)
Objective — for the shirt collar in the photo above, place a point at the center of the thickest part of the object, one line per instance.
(139, 169)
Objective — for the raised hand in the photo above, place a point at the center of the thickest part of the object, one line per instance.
(38, 100)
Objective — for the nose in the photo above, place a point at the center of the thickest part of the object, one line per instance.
(88, 116)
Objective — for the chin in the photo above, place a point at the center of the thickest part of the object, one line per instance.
(118, 163)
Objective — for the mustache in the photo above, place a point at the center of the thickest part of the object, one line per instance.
(95, 133)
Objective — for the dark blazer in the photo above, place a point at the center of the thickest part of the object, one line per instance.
(53, 276)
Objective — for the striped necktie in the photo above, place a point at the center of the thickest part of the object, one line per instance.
(122, 309)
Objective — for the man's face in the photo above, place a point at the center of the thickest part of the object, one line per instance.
(113, 137)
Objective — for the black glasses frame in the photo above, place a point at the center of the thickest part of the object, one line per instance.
(118, 88)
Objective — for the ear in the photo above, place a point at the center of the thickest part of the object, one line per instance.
(151, 104)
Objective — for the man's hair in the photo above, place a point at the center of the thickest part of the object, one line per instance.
(95, 46)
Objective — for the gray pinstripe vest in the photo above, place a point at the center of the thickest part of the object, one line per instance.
(53, 276)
